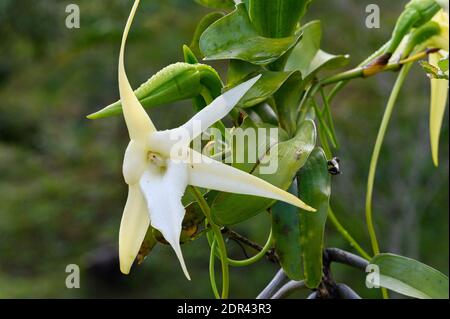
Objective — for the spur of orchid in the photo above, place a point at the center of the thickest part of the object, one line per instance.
(158, 172)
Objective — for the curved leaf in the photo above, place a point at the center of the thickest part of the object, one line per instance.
(204, 23)
(286, 236)
(292, 154)
(189, 56)
(307, 56)
(269, 83)
(410, 277)
(175, 82)
(287, 100)
(276, 18)
(234, 37)
(314, 185)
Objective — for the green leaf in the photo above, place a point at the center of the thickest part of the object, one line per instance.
(267, 85)
(276, 18)
(307, 56)
(410, 277)
(189, 56)
(287, 100)
(286, 236)
(314, 186)
(204, 23)
(217, 4)
(234, 37)
(291, 155)
(265, 113)
(175, 82)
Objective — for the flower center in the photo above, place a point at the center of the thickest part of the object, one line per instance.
(157, 159)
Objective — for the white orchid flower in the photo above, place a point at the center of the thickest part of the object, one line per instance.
(157, 176)
(439, 87)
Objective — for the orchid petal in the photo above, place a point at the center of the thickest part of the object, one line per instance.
(163, 141)
(133, 227)
(218, 109)
(163, 189)
(134, 162)
(137, 120)
(211, 174)
(439, 93)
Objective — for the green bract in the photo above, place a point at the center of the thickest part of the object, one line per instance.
(409, 277)
(234, 37)
(314, 184)
(292, 154)
(175, 82)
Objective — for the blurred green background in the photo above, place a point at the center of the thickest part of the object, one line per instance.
(61, 187)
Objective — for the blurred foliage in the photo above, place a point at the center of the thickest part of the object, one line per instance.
(61, 188)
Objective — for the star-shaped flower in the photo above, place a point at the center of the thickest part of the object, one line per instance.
(158, 166)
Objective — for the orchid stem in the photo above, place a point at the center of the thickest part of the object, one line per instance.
(376, 153)
(375, 156)
(218, 237)
(212, 276)
(255, 258)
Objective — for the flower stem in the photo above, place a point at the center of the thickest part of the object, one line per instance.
(341, 229)
(212, 276)
(255, 258)
(375, 156)
(218, 237)
(376, 153)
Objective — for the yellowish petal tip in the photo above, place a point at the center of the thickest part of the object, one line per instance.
(309, 208)
(125, 263)
(125, 269)
(435, 160)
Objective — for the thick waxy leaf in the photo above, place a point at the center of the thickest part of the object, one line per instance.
(307, 56)
(217, 4)
(276, 18)
(410, 277)
(287, 100)
(175, 82)
(292, 154)
(204, 23)
(269, 83)
(314, 183)
(286, 235)
(234, 37)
